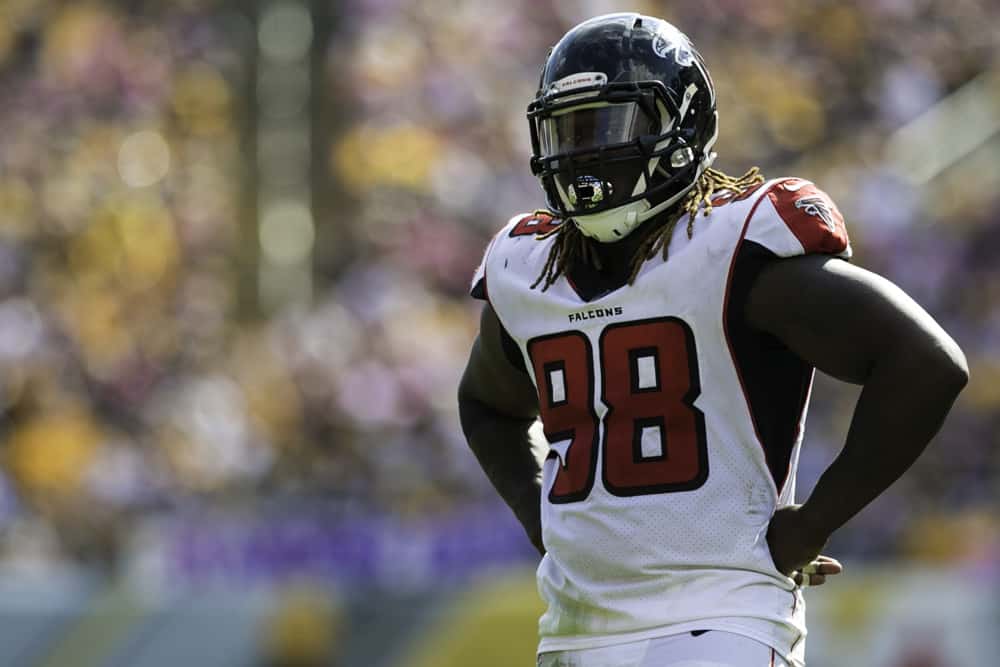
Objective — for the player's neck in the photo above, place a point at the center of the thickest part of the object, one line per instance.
(617, 257)
(616, 261)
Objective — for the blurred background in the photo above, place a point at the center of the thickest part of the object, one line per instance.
(235, 242)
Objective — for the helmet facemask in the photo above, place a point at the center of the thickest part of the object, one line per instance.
(609, 154)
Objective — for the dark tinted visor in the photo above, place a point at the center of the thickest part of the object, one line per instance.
(592, 127)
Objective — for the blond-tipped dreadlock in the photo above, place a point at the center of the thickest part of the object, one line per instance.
(571, 245)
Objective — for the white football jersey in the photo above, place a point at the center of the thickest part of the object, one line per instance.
(674, 427)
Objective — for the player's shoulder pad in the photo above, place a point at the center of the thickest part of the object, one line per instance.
(532, 224)
(794, 217)
(529, 225)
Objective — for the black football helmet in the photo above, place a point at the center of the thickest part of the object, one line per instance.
(623, 123)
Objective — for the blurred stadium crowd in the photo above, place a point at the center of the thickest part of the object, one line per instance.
(134, 384)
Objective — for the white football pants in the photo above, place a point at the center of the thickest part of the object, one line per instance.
(710, 649)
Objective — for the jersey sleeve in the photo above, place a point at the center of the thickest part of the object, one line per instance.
(477, 289)
(522, 224)
(794, 217)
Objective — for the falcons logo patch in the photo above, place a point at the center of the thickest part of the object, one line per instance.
(670, 41)
(818, 207)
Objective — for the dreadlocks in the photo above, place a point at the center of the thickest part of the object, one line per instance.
(571, 245)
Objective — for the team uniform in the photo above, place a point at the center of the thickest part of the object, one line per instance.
(697, 649)
(674, 428)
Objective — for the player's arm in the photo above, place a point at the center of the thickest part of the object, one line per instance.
(498, 404)
(860, 328)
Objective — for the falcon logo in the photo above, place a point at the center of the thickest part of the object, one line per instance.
(818, 207)
(669, 40)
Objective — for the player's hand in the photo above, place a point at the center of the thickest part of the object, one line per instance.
(795, 543)
(816, 572)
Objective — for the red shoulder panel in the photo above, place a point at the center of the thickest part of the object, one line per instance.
(534, 223)
(811, 215)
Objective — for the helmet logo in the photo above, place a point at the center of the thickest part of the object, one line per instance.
(669, 41)
(588, 190)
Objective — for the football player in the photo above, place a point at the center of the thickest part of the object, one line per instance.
(664, 320)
